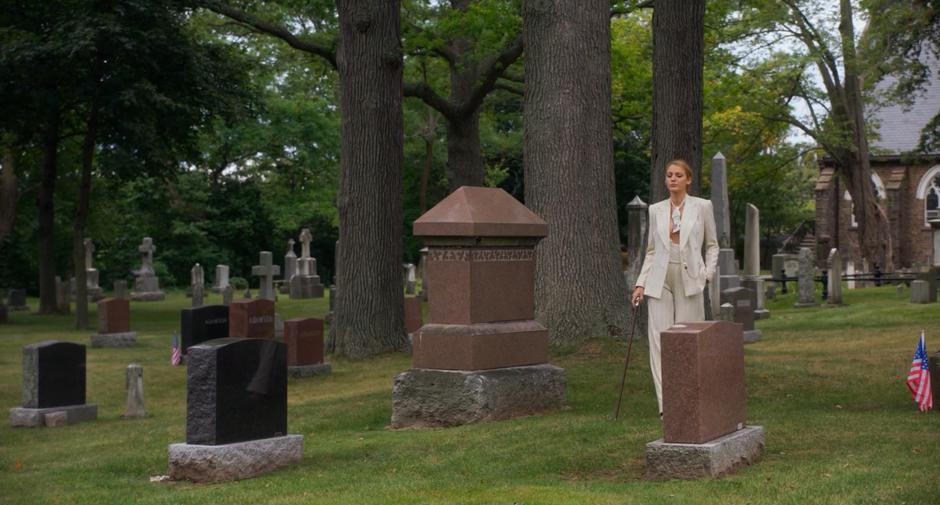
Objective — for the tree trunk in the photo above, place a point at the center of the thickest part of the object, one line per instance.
(81, 218)
(8, 193)
(46, 211)
(874, 228)
(464, 154)
(428, 161)
(678, 60)
(368, 317)
(579, 290)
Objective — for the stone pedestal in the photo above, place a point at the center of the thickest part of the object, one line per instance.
(423, 398)
(665, 461)
(482, 356)
(240, 460)
(756, 285)
(147, 289)
(33, 418)
(728, 270)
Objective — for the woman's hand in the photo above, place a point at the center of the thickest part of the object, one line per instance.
(637, 296)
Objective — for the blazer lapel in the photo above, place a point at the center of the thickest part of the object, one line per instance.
(666, 224)
(689, 214)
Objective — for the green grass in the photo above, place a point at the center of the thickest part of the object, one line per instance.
(826, 384)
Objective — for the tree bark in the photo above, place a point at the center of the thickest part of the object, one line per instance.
(8, 193)
(428, 161)
(678, 62)
(464, 154)
(46, 211)
(568, 146)
(81, 213)
(873, 223)
(368, 317)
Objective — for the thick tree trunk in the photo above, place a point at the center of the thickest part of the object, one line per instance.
(678, 60)
(874, 227)
(368, 317)
(46, 211)
(8, 193)
(579, 290)
(81, 219)
(428, 161)
(464, 154)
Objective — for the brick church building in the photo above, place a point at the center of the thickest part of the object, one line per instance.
(908, 186)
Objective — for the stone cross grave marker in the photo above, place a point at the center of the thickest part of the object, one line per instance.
(266, 271)
(147, 249)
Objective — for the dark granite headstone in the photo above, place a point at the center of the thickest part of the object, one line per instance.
(53, 374)
(236, 391)
(16, 299)
(934, 364)
(202, 324)
(742, 300)
(3, 312)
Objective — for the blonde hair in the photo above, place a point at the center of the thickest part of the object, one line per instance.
(681, 164)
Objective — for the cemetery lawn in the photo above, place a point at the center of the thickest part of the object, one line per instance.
(826, 383)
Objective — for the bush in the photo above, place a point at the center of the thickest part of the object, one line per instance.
(238, 282)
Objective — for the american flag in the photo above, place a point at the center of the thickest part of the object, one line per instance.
(918, 379)
(176, 356)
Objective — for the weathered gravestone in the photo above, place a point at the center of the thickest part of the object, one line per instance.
(411, 279)
(16, 299)
(704, 404)
(114, 324)
(62, 297)
(752, 279)
(92, 289)
(228, 292)
(727, 264)
(290, 267)
(740, 298)
(413, 319)
(202, 324)
(834, 277)
(197, 281)
(147, 284)
(236, 412)
(637, 215)
(806, 287)
(920, 291)
(251, 319)
(482, 356)
(726, 312)
(221, 279)
(120, 290)
(423, 271)
(53, 381)
(306, 283)
(304, 339)
(134, 381)
(930, 276)
(266, 271)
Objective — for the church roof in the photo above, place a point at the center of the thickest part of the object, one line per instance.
(898, 126)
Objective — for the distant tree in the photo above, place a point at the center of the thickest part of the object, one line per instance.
(580, 291)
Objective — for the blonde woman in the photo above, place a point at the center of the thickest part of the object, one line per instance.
(674, 272)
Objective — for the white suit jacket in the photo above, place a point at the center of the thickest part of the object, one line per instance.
(698, 228)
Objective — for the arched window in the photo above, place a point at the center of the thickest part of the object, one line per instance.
(929, 190)
(877, 186)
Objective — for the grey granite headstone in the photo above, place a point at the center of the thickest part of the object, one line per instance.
(920, 291)
(410, 279)
(134, 381)
(228, 292)
(752, 242)
(290, 266)
(16, 299)
(720, 201)
(806, 291)
(930, 275)
(221, 278)
(120, 290)
(834, 277)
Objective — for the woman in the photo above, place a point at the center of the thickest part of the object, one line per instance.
(674, 273)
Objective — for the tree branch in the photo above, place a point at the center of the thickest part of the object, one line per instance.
(423, 91)
(627, 9)
(257, 24)
(491, 69)
(509, 87)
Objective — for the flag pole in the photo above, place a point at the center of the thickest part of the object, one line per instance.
(626, 361)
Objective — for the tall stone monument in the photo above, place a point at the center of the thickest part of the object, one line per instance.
(290, 267)
(197, 283)
(752, 278)
(306, 282)
(91, 273)
(147, 284)
(834, 277)
(806, 287)
(221, 279)
(482, 356)
(637, 226)
(727, 264)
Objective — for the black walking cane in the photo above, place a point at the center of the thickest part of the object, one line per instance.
(626, 361)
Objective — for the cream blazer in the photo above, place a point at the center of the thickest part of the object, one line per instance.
(697, 229)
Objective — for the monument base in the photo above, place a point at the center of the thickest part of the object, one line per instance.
(241, 460)
(18, 307)
(761, 314)
(24, 416)
(801, 305)
(428, 398)
(721, 456)
(127, 339)
(752, 336)
(148, 296)
(300, 371)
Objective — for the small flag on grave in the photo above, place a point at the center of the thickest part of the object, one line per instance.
(918, 379)
(176, 355)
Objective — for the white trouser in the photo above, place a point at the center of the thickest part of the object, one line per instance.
(665, 311)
